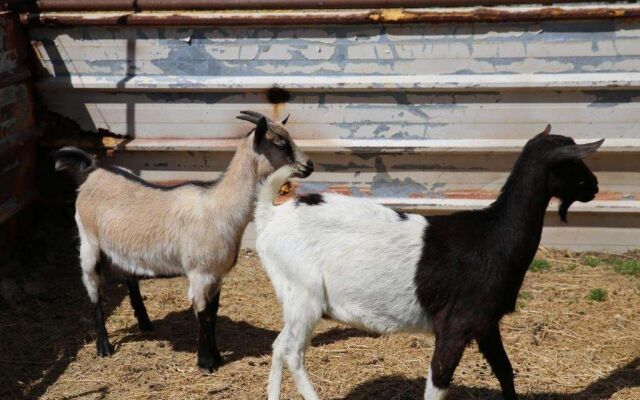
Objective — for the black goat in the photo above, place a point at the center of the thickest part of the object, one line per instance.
(363, 264)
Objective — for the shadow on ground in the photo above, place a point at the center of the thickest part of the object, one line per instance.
(42, 335)
(236, 339)
(397, 388)
(45, 313)
(48, 318)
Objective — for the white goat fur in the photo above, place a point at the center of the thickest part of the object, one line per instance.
(362, 276)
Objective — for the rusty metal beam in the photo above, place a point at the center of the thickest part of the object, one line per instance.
(307, 17)
(164, 5)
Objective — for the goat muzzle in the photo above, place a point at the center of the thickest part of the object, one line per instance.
(305, 170)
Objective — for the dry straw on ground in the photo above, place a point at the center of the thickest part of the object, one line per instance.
(562, 345)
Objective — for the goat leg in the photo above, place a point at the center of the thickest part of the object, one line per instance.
(139, 310)
(490, 344)
(449, 349)
(209, 357)
(103, 346)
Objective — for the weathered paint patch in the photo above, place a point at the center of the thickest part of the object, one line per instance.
(190, 107)
(606, 98)
(412, 49)
(306, 187)
(334, 167)
(356, 115)
(383, 185)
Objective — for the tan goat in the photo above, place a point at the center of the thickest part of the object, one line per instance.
(193, 229)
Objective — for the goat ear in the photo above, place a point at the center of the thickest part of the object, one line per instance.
(262, 126)
(575, 151)
(545, 132)
(284, 121)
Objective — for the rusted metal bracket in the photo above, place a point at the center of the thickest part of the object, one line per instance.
(332, 17)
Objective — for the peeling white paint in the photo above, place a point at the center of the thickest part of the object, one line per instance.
(440, 110)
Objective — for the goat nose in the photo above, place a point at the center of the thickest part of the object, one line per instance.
(310, 164)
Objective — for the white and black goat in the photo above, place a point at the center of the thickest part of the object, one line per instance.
(370, 267)
(192, 229)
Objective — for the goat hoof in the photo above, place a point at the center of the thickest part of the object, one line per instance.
(208, 364)
(104, 348)
(145, 326)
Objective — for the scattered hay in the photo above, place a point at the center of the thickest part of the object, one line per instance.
(562, 345)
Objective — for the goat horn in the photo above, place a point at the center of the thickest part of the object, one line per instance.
(249, 118)
(284, 121)
(253, 114)
(575, 151)
(546, 130)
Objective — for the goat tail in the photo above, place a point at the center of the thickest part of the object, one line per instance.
(270, 189)
(77, 162)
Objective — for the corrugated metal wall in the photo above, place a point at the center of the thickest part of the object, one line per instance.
(424, 117)
(17, 134)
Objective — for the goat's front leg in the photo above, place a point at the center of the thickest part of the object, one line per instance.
(204, 292)
(209, 357)
(139, 310)
(449, 348)
(490, 343)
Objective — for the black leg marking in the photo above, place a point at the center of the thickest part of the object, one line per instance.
(209, 357)
(490, 344)
(139, 309)
(103, 346)
(447, 355)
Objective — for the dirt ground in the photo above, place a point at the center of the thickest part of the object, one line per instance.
(563, 343)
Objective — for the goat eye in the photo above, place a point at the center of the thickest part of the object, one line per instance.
(280, 143)
(581, 183)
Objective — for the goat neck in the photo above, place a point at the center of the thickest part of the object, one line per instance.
(519, 212)
(237, 186)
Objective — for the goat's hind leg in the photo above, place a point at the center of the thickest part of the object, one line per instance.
(277, 363)
(449, 349)
(301, 317)
(91, 277)
(103, 347)
(139, 310)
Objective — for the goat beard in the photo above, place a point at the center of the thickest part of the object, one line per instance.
(564, 207)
